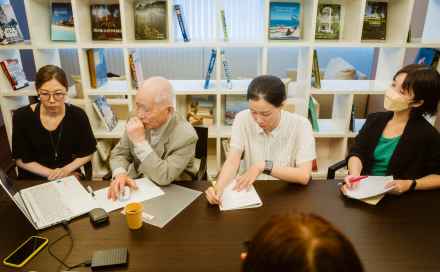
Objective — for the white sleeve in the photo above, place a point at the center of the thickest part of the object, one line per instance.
(238, 134)
(305, 147)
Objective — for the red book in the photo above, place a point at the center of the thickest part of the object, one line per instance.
(8, 75)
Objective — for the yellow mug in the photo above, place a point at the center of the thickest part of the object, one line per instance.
(133, 212)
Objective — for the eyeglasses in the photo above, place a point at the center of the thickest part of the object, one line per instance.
(46, 97)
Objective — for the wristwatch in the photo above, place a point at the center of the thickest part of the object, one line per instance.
(268, 167)
(413, 186)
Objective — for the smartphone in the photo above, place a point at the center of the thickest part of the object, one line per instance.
(25, 252)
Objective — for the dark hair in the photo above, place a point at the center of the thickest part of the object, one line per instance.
(49, 72)
(424, 82)
(271, 88)
(299, 241)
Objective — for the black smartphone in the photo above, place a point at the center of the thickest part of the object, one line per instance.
(25, 252)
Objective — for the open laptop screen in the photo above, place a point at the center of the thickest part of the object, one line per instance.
(13, 192)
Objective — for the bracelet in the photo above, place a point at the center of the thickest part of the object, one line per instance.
(413, 186)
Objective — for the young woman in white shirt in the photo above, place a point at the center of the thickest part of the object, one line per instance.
(276, 144)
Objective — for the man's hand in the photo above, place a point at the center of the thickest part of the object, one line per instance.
(117, 185)
(135, 130)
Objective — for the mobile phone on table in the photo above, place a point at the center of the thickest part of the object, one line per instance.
(25, 252)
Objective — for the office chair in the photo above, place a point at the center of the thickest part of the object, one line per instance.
(87, 169)
(335, 167)
(201, 153)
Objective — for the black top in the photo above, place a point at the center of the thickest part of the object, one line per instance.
(416, 155)
(31, 141)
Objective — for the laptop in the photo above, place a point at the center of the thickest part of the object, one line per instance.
(49, 203)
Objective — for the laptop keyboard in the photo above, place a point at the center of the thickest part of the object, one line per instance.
(49, 201)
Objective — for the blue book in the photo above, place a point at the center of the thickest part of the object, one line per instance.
(182, 23)
(211, 66)
(284, 21)
(62, 25)
(225, 65)
(427, 56)
(98, 67)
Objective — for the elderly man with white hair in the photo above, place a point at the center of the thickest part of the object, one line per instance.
(157, 140)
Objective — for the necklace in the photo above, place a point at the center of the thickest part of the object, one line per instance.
(59, 137)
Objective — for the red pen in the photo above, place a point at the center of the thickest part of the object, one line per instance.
(353, 180)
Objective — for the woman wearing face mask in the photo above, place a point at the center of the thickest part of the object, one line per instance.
(276, 144)
(46, 135)
(401, 142)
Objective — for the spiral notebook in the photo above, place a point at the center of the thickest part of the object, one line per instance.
(233, 200)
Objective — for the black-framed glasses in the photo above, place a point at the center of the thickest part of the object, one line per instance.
(46, 97)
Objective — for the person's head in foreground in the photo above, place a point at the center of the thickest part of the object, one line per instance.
(299, 241)
(416, 89)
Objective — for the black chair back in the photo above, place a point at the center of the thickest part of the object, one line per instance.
(202, 150)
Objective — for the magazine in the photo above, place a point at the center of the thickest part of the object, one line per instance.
(62, 25)
(105, 112)
(284, 21)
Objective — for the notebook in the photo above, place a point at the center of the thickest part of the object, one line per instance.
(371, 186)
(233, 200)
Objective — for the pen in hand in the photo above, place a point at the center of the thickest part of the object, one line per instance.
(353, 180)
(212, 183)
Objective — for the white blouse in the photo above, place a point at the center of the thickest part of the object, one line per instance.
(289, 144)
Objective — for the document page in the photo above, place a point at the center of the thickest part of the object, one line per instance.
(147, 190)
(232, 200)
(371, 186)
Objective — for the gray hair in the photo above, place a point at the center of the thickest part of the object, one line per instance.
(166, 95)
(163, 89)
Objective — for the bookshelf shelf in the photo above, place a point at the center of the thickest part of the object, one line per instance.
(243, 32)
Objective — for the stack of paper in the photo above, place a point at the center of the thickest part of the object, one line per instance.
(232, 200)
(371, 189)
(147, 190)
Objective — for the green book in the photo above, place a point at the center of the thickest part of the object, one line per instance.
(313, 114)
(316, 81)
(225, 31)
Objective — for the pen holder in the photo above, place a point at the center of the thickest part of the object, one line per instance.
(133, 212)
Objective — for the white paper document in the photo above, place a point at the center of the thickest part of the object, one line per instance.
(232, 200)
(147, 190)
(371, 186)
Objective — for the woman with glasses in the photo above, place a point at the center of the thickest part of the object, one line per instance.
(299, 241)
(51, 139)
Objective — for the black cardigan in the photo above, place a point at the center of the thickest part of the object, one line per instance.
(416, 155)
(31, 142)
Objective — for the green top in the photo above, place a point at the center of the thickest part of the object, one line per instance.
(382, 154)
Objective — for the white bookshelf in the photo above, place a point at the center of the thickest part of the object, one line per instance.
(331, 140)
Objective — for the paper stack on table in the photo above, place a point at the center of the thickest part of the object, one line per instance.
(232, 200)
(371, 189)
(147, 190)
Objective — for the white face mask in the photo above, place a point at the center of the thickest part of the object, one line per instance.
(394, 102)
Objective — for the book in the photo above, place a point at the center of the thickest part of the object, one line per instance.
(200, 108)
(234, 103)
(225, 66)
(313, 114)
(233, 200)
(225, 145)
(10, 32)
(328, 22)
(15, 74)
(316, 76)
(13, 111)
(375, 21)
(428, 56)
(136, 69)
(210, 67)
(106, 22)
(62, 25)
(150, 20)
(409, 34)
(284, 21)
(182, 22)
(225, 30)
(105, 112)
(104, 147)
(352, 126)
(98, 67)
(314, 166)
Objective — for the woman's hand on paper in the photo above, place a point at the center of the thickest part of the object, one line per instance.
(402, 186)
(212, 197)
(349, 184)
(248, 178)
(117, 185)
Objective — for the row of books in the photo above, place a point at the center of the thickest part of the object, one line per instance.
(285, 21)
